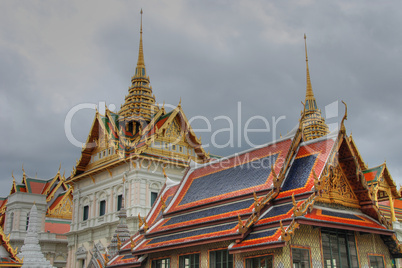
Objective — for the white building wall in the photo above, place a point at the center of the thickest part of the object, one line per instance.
(138, 186)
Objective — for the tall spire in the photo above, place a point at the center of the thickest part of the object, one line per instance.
(139, 105)
(310, 102)
(141, 62)
(313, 123)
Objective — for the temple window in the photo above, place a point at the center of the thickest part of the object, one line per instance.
(220, 259)
(174, 147)
(189, 261)
(85, 213)
(119, 202)
(102, 207)
(180, 149)
(376, 261)
(260, 262)
(161, 263)
(301, 257)
(339, 248)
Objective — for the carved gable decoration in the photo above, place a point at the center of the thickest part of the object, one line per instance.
(63, 210)
(173, 131)
(333, 187)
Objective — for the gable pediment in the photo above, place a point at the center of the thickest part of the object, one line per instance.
(335, 188)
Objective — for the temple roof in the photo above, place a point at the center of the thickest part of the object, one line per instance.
(108, 132)
(258, 198)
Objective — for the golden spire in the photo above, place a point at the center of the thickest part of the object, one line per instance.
(141, 62)
(139, 104)
(313, 123)
(310, 103)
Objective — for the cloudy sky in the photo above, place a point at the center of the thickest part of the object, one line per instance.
(224, 59)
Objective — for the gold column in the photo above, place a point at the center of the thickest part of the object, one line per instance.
(391, 204)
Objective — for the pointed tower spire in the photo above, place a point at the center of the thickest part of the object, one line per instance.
(140, 62)
(313, 123)
(139, 106)
(310, 103)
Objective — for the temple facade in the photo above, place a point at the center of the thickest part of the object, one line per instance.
(305, 200)
(127, 156)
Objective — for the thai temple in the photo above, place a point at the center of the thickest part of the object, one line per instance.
(144, 193)
(124, 161)
(305, 200)
(53, 199)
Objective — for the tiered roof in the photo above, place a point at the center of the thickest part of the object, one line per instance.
(139, 130)
(258, 198)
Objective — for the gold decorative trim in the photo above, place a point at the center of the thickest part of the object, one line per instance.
(287, 234)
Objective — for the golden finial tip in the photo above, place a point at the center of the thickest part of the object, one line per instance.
(305, 37)
(141, 11)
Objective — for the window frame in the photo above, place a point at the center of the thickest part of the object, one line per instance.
(119, 202)
(210, 265)
(258, 256)
(339, 233)
(192, 254)
(308, 249)
(376, 256)
(102, 212)
(86, 207)
(160, 259)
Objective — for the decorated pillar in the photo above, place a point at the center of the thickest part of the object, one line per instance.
(391, 204)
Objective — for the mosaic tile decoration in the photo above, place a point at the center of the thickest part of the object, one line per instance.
(231, 209)
(229, 180)
(235, 176)
(300, 176)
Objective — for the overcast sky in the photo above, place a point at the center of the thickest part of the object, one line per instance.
(55, 55)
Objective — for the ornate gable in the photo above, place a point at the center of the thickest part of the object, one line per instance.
(173, 131)
(62, 207)
(335, 188)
